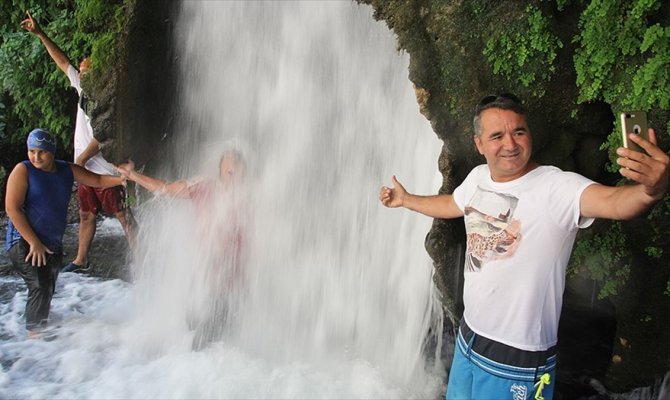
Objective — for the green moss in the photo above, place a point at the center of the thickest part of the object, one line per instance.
(103, 21)
(525, 52)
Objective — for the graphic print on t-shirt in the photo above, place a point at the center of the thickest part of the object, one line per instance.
(492, 232)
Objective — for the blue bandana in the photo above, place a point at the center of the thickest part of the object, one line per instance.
(41, 139)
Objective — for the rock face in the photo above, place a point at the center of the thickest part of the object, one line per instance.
(133, 98)
(445, 41)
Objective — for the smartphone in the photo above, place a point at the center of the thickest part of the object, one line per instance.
(634, 122)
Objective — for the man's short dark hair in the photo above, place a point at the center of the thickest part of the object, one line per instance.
(503, 101)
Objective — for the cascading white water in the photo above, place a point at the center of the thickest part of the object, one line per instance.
(337, 299)
(318, 100)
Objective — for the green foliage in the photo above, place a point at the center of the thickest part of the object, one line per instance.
(604, 258)
(620, 56)
(659, 227)
(131, 200)
(103, 21)
(654, 251)
(623, 58)
(2, 121)
(33, 90)
(525, 52)
(562, 4)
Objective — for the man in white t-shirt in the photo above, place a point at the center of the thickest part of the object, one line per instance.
(521, 219)
(111, 201)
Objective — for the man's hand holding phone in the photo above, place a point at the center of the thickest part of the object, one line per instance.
(649, 167)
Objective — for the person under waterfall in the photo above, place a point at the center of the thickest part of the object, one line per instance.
(221, 218)
(521, 219)
(36, 202)
(110, 201)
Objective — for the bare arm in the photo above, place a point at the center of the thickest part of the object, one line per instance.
(54, 51)
(154, 185)
(650, 172)
(17, 187)
(92, 179)
(436, 206)
(92, 149)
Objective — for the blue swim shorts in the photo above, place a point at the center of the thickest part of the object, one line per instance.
(480, 376)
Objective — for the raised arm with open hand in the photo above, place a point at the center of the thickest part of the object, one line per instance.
(650, 171)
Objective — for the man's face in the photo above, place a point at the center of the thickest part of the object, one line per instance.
(230, 169)
(41, 159)
(505, 142)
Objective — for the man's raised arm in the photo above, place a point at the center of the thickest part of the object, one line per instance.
(649, 170)
(55, 52)
(436, 206)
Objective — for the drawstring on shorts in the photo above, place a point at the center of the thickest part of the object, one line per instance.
(545, 379)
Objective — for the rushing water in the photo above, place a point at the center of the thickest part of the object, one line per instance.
(336, 299)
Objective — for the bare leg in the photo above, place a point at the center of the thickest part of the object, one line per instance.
(86, 232)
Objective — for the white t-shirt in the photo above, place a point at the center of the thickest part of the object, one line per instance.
(519, 239)
(83, 133)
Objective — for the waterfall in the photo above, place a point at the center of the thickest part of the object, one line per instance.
(316, 97)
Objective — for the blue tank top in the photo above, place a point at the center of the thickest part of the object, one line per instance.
(45, 205)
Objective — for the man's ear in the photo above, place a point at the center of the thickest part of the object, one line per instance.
(478, 144)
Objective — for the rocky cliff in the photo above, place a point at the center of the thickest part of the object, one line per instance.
(133, 97)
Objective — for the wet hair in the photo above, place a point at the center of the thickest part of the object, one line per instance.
(237, 155)
(503, 101)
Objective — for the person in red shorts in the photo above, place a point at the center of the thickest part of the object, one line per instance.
(110, 201)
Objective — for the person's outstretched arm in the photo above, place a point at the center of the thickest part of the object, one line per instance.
(54, 51)
(154, 185)
(436, 206)
(17, 187)
(88, 178)
(649, 171)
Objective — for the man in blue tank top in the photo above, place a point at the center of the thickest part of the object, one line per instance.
(38, 193)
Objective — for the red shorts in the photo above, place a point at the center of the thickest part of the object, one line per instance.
(110, 200)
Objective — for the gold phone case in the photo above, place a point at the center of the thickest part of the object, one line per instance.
(634, 122)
